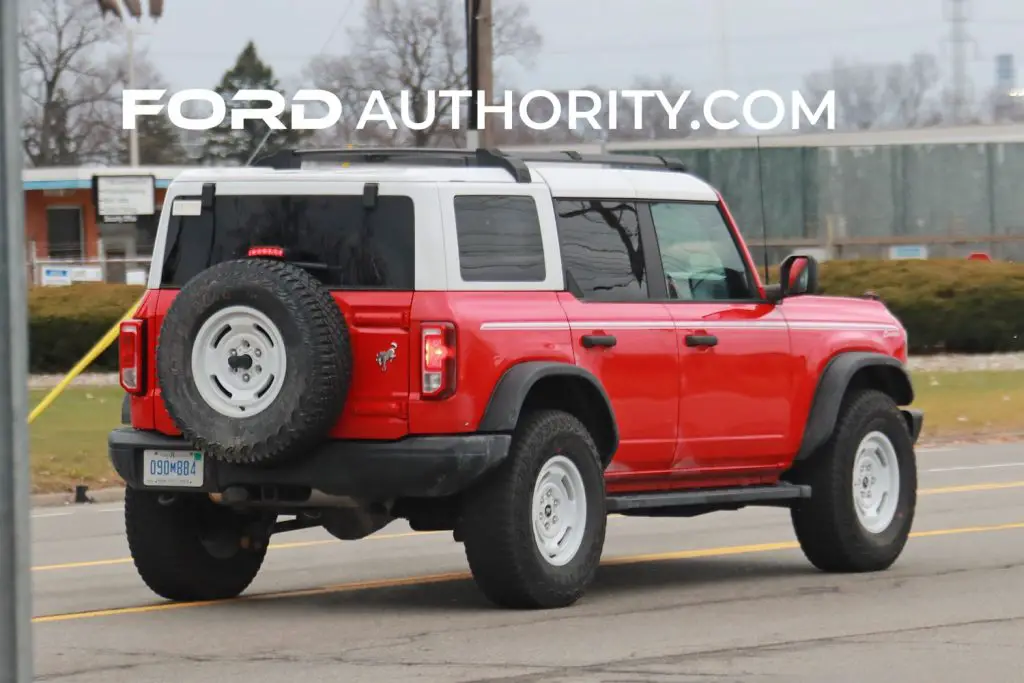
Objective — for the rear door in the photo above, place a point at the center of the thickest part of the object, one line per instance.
(364, 255)
(622, 337)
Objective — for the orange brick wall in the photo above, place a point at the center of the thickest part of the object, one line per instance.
(36, 203)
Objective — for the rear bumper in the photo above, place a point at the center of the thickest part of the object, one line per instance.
(915, 420)
(414, 467)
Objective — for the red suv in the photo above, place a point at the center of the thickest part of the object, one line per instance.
(508, 347)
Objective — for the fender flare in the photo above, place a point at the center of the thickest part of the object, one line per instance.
(832, 385)
(506, 402)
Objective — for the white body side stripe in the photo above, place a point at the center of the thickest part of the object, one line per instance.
(688, 324)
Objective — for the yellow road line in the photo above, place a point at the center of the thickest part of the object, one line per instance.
(967, 488)
(427, 579)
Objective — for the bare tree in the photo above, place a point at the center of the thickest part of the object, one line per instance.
(666, 116)
(870, 95)
(159, 141)
(409, 50)
(68, 83)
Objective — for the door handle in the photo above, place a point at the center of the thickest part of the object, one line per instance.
(592, 340)
(701, 340)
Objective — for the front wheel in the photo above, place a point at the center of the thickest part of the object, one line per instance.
(534, 530)
(863, 489)
(187, 548)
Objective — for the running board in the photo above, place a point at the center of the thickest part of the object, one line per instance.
(742, 495)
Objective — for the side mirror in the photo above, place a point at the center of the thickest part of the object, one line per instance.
(798, 275)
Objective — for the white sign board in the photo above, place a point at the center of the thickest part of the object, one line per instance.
(87, 274)
(908, 251)
(120, 199)
(56, 277)
(136, 277)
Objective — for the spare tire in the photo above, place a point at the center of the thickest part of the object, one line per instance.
(253, 361)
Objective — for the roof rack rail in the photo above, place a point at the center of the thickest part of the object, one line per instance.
(637, 161)
(431, 156)
(514, 163)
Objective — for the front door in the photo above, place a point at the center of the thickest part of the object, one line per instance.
(735, 367)
(627, 341)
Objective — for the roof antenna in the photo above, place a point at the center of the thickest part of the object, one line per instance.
(764, 216)
(259, 147)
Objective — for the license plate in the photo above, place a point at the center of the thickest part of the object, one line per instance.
(172, 468)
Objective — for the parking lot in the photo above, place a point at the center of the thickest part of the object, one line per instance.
(723, 597)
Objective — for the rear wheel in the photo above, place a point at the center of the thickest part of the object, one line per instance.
(187, 548)
(863, 489)
(534, 530)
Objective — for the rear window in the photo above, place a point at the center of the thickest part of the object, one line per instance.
(353, 247)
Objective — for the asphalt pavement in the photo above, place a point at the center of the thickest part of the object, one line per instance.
(725, 597)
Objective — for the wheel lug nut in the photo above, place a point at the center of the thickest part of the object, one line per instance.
(257, 353)
(245, 377)
(232, 352)
(258, 369)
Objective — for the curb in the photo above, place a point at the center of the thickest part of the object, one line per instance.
(110, 495)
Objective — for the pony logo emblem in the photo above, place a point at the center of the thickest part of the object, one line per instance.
(385, 357)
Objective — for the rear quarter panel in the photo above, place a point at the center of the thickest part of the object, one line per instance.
(494, 331)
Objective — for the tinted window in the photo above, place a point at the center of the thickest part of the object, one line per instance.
(353, 247)
(701, 259)
(601, 249)
(499, 239)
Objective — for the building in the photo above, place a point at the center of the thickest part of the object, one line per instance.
(66, 228)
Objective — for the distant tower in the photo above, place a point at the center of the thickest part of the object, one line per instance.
(957, 14)
(1006, 74)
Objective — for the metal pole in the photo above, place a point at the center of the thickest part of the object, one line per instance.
(133, 134)
(473, 68)
(15, 587)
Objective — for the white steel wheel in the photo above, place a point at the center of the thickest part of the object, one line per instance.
(239, 361)
(559, 511)
(876, 482)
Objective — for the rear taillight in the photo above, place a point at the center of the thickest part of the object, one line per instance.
(439, 365)
(131, 356)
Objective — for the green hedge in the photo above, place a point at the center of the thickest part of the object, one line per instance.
(66, 322)
(954, 306)
(951, 306)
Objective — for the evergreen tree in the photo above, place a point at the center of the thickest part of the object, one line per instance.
(223, 145)
(160, 144)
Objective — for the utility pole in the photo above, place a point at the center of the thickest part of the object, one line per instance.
(722, 7)
(134, 7)
(480, 63)
(133, 134)
(957, 15)
(15, 585)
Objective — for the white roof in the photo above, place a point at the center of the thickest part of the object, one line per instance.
(565, 179)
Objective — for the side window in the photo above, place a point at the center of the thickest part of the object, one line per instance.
(601, 249)
(499, 239)
(701, 259)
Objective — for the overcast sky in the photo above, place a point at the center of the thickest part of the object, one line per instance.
(769, 43)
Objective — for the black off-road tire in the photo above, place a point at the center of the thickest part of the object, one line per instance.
(319, 362)
(497, 525)
(830, 533)
(169, 555)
